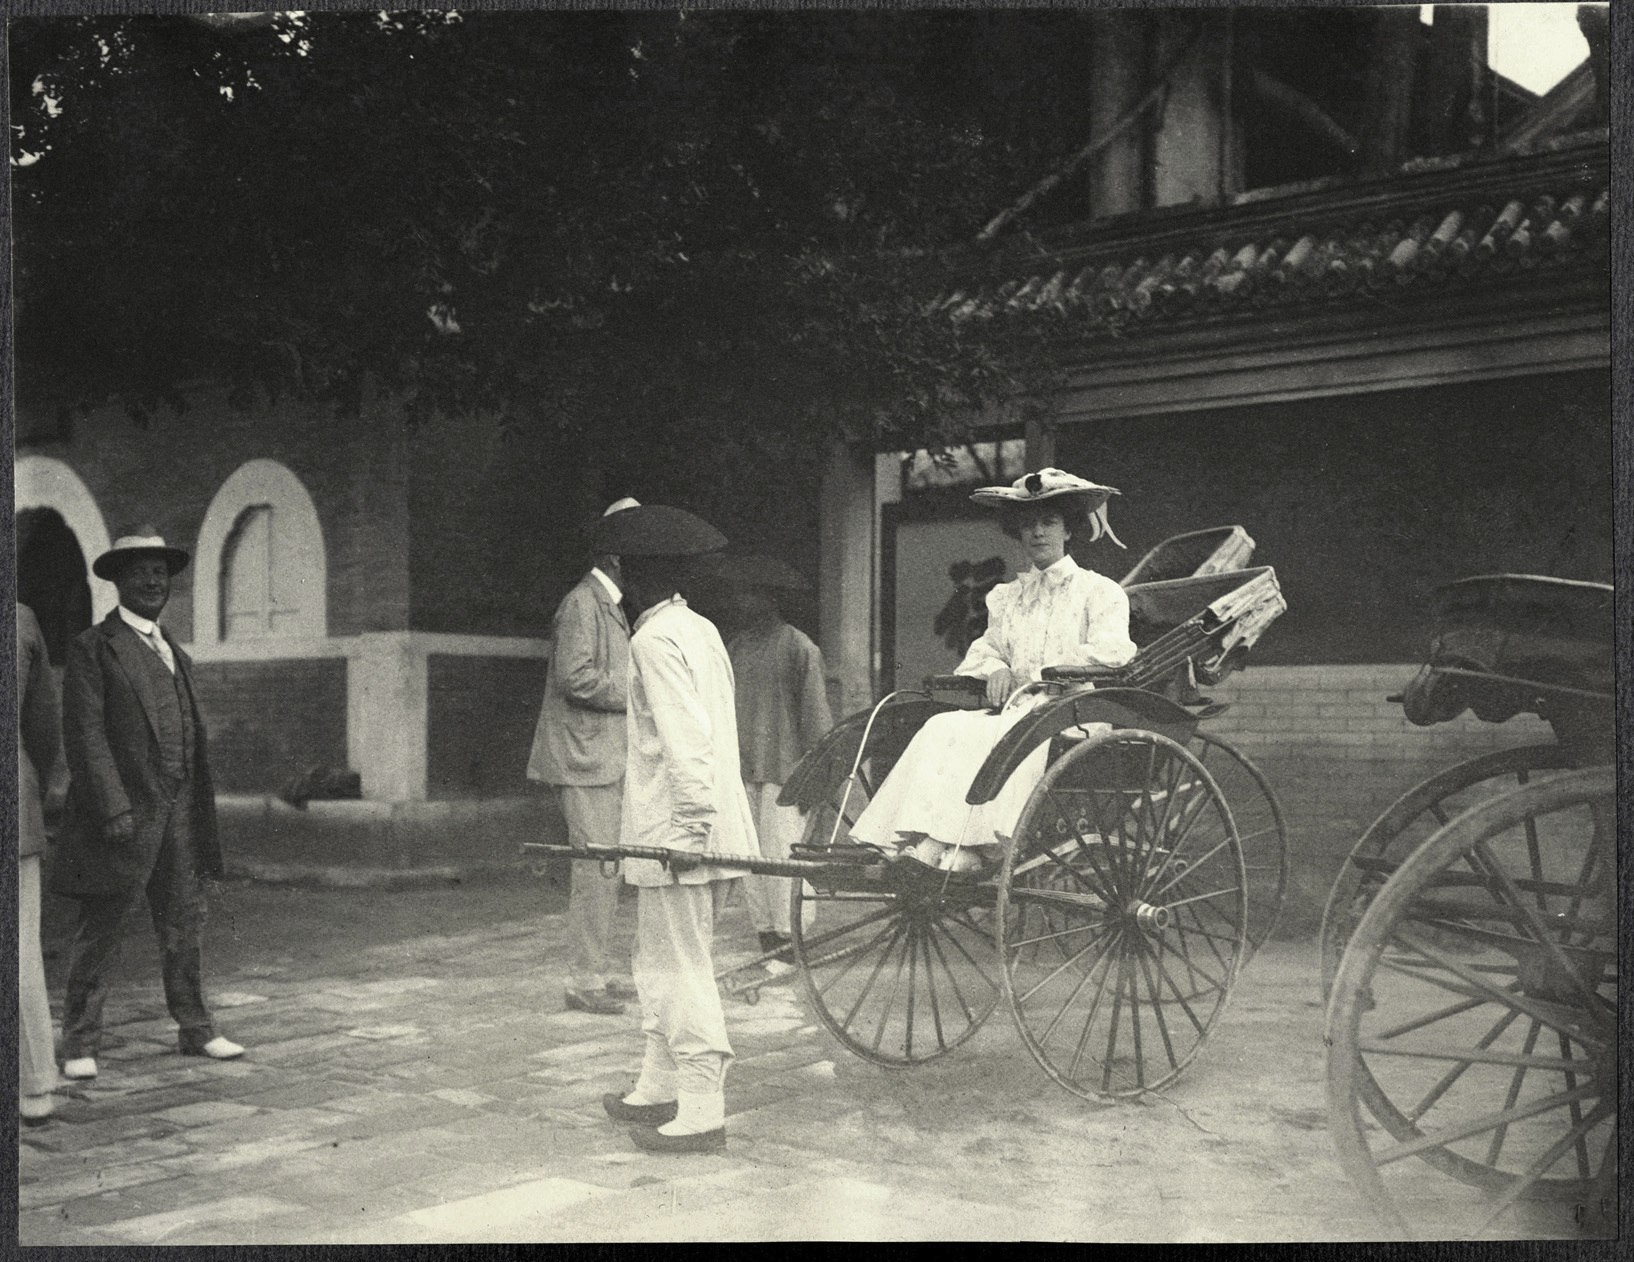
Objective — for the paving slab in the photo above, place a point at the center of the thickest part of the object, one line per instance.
(433, 1089)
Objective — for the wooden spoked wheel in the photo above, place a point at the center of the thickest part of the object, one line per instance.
(1474, 1012)
(1126, 864)
(1408, 823)
(897, 963)
(1260, 829)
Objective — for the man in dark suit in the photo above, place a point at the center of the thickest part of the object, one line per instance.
(141, 809)
(578, 749)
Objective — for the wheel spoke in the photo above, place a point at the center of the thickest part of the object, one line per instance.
(1197, 898)
(1157, 1007)
(1157, 962)
(1476, 983)
(1574, 1137)
(1577, 1112)
(953, 979)
(856, 954)
(896, 932)
(1112, 1026)
(1540, 934)
(1467, 1129)
(1495, 1149)
(896, 982)
(1150, 893)
(960, 947)
(1063, 966)
(1084, 979)
(930, 991)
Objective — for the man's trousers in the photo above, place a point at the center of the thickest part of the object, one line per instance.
(177, 910)
(687, 1049)
(779, 828)
(592, 813)
(36, 1059)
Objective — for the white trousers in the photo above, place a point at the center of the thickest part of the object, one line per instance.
(36, 1057)
(687, 1048)
(779, 828)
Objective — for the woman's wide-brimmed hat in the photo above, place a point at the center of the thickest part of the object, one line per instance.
(143, 540)
(1060, 487)
(754, 569)
(655, 530)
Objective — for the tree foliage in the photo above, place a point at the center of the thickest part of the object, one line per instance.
(609, 223)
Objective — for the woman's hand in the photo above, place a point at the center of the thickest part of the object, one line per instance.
(999, 686)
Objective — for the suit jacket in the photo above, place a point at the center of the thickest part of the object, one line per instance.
(110, 734)
(580, 736)
(39, 731)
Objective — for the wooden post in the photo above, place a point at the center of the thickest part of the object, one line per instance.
(1388, 105)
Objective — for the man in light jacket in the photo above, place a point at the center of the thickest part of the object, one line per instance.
(39, 751)
(578, 750)
(683, 794)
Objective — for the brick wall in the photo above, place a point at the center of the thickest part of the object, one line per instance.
(481, 712)
(1366, 503)
(269, 721)
(169, 471)
(1337, 754)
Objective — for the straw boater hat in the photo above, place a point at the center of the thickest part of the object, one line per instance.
(1059, 487)
(143, 540)
(654, 530)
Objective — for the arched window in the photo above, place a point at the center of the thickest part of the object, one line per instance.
(261, 592)
(261, 564)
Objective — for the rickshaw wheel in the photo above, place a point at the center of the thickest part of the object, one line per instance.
(1474, 1014)
(1126, 860)
(1408, 823)
(1260, 830)
(898, 967)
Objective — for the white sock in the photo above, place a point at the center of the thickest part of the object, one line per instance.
(697, 1113)
(656, 1085)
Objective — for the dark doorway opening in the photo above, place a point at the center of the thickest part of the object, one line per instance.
(52, 578)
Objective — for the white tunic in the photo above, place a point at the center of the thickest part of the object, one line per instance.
(1061, 616)
(682, 790)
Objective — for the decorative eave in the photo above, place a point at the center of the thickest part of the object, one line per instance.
(1528, 231)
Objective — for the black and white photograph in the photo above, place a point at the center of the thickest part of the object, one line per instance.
(892, 623)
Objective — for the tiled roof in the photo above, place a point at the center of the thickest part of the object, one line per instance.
(1407, 246)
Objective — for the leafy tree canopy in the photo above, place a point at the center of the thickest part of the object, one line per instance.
(727, 222)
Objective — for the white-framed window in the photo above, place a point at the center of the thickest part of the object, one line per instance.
(262, 571)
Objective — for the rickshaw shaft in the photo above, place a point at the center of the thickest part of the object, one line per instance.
(748, 863)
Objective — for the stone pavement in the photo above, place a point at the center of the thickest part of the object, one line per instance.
(433, 1090)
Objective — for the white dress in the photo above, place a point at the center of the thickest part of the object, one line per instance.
(1061, 616)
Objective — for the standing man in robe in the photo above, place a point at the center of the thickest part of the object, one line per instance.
(683, 794)
(782, 708)
(578, 750)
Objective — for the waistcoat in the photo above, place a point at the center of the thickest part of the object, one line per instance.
(173, 718)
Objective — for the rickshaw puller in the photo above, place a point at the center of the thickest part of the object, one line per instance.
(683, 793)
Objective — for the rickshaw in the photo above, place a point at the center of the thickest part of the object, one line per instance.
(1469, 949)
(1117, 922)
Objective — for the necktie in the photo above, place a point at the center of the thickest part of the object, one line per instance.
(157, 643)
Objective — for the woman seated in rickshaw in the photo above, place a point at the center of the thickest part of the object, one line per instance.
(1053, 614)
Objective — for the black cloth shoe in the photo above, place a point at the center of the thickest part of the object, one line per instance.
(598, 1001)
(771, 941)
(644, 1114)
(653, 1140)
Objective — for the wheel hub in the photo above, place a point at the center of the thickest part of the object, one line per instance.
(1152, 918)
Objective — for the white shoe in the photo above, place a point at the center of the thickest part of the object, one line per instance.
(79, 1067)
(217, 1048)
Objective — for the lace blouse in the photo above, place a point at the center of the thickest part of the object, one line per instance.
(1061, 616)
